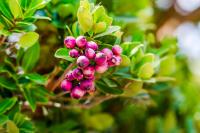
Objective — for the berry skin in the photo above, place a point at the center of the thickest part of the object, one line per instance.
(69, 76)
(117, 50)
(77, 74)
(107, 52)
(70, 42)
(92, 45)
(100, 58)
(81, 42)
(87, 84)
(102, 68)
(74, 53)
(82, 61)
(114, 61)
(66, 85)
(88, 71)
(90, 53)
(77, 92)
(118, 60)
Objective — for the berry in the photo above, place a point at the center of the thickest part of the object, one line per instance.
(92, 45)
(89, 71)
(102, 68)
(107, 52)
(100, 58)
(81, 41)
(77, 92)
(90, 53)
(77, 73)
(66, 85)
(114, 61)
(74, 53)
(117, 50)
(69, 76)
(82, 61)
(87, 84)
(70, 42)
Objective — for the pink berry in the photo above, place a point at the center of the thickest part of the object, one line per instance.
(89, 71)
(70, 42)
(66, 85)
(92, 45)
(100, 58)
(107, 52)
(81, 41)
(74, 53)
(114, 61)
(82, 61)
(117, 50)
(69, 76)
(90, 53)
(77, 92)
(102, 68)
(87, 84)
(77, 74)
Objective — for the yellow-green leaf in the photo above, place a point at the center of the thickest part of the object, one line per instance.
(15, 8)
(146, 71)
(133, 88)
(28, 39)
(84, 15)
(125, 61)
(12, 127)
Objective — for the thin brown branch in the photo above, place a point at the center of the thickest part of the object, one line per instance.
(53, 85)
(2, 40)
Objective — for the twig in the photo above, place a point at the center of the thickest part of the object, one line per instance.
(57, 83)
(2, 40)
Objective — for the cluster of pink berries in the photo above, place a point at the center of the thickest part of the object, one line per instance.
(89, 60)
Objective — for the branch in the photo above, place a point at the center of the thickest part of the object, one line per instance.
(51, 85)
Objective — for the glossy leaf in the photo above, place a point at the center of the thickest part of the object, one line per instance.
(28, 39)
(15, 8)
(110, 30)
(146, 71)
(7, 104)
(37, 78)
(30, 98)
(101, 86)
(63, 53)
(8, 83)
(31, 57)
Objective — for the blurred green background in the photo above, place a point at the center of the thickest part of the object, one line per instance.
(170, 107)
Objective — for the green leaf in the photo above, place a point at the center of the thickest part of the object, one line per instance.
(65, 10)
(167, 65)
(112, 90)
(37, 78)
(63, 53)
(5, 10)
(110, 30)
(84, 16)
(146, 71)
(7, 104)
(100, 121)
(30, 98)
(133, 88)
(31, 57)
(125, 61)
(8, 83)
(110, 82)
(28, 39)
(3, 119)
(15, 8)
(12, 127)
